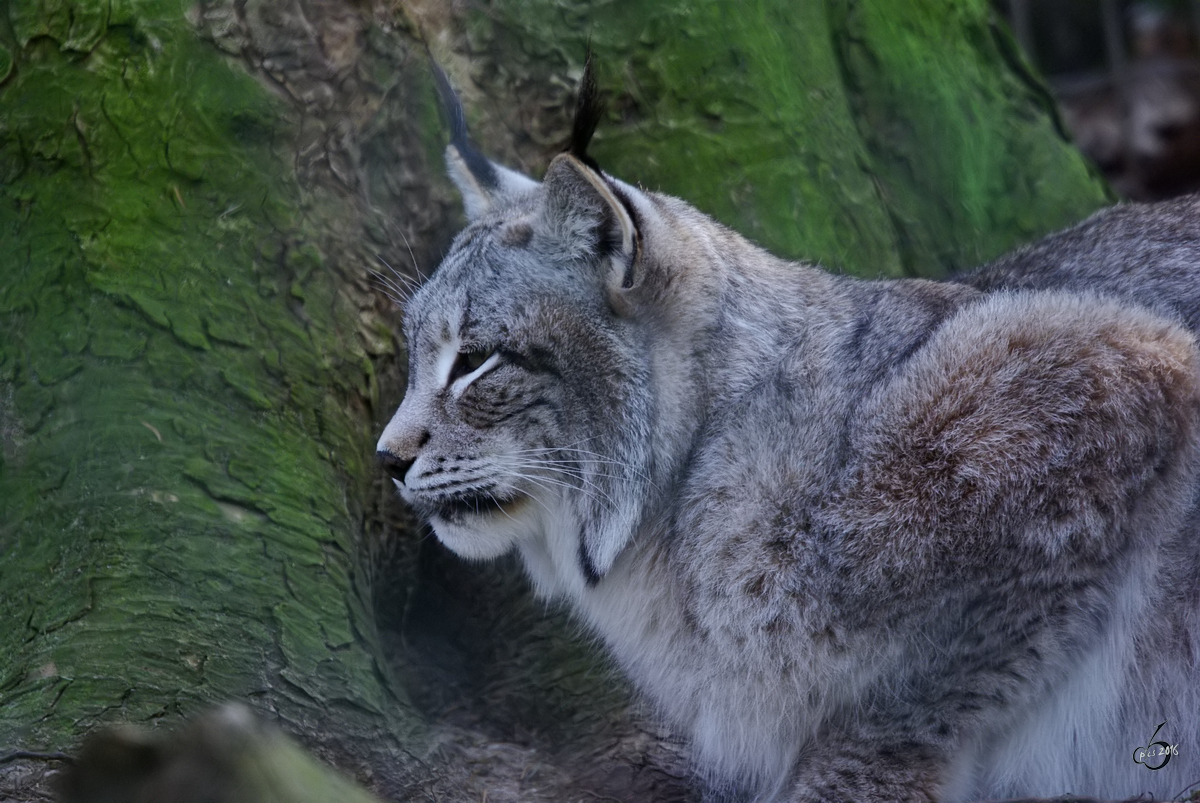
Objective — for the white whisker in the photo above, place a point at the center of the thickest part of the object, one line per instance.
(585, 456)
(392, 290)
(575, 472)
(408, 245)
(591, 490)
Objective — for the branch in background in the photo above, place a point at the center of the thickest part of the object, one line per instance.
(224, 757)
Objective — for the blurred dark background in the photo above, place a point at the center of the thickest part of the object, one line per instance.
(1127, 77)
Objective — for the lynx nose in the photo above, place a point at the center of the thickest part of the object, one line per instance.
(396, 467)
(398, 454)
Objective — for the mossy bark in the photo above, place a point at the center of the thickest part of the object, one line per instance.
(879, 137)
(194, 363)
(185, 397)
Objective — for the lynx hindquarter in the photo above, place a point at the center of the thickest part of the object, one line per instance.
(859, 541)
(1013, 515)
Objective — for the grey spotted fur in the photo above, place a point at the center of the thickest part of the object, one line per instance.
(859, 540)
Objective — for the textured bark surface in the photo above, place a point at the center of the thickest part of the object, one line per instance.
(874, 137)
(186, 396)
(195, 360)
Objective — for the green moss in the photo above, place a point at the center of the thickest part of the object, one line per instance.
(868, 137)
(170, 493)
(149, 307)
(964, 140)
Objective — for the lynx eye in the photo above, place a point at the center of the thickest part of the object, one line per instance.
(469, 361)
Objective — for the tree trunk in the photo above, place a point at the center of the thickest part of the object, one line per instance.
(187, 393)
(195, 360)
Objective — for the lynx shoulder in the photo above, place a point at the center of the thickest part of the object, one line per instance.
(860, 541)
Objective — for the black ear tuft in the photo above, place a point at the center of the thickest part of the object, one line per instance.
(483, 171)
(588, 111)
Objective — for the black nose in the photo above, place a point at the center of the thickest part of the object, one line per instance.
(393, 465)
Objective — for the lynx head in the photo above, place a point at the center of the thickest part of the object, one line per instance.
(529, 413)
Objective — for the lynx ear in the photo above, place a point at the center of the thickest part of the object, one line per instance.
(587, 210)
(481, 182)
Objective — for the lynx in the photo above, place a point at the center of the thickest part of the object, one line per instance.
(857, 540)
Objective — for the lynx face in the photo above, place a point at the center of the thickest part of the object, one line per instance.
(523, 423)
